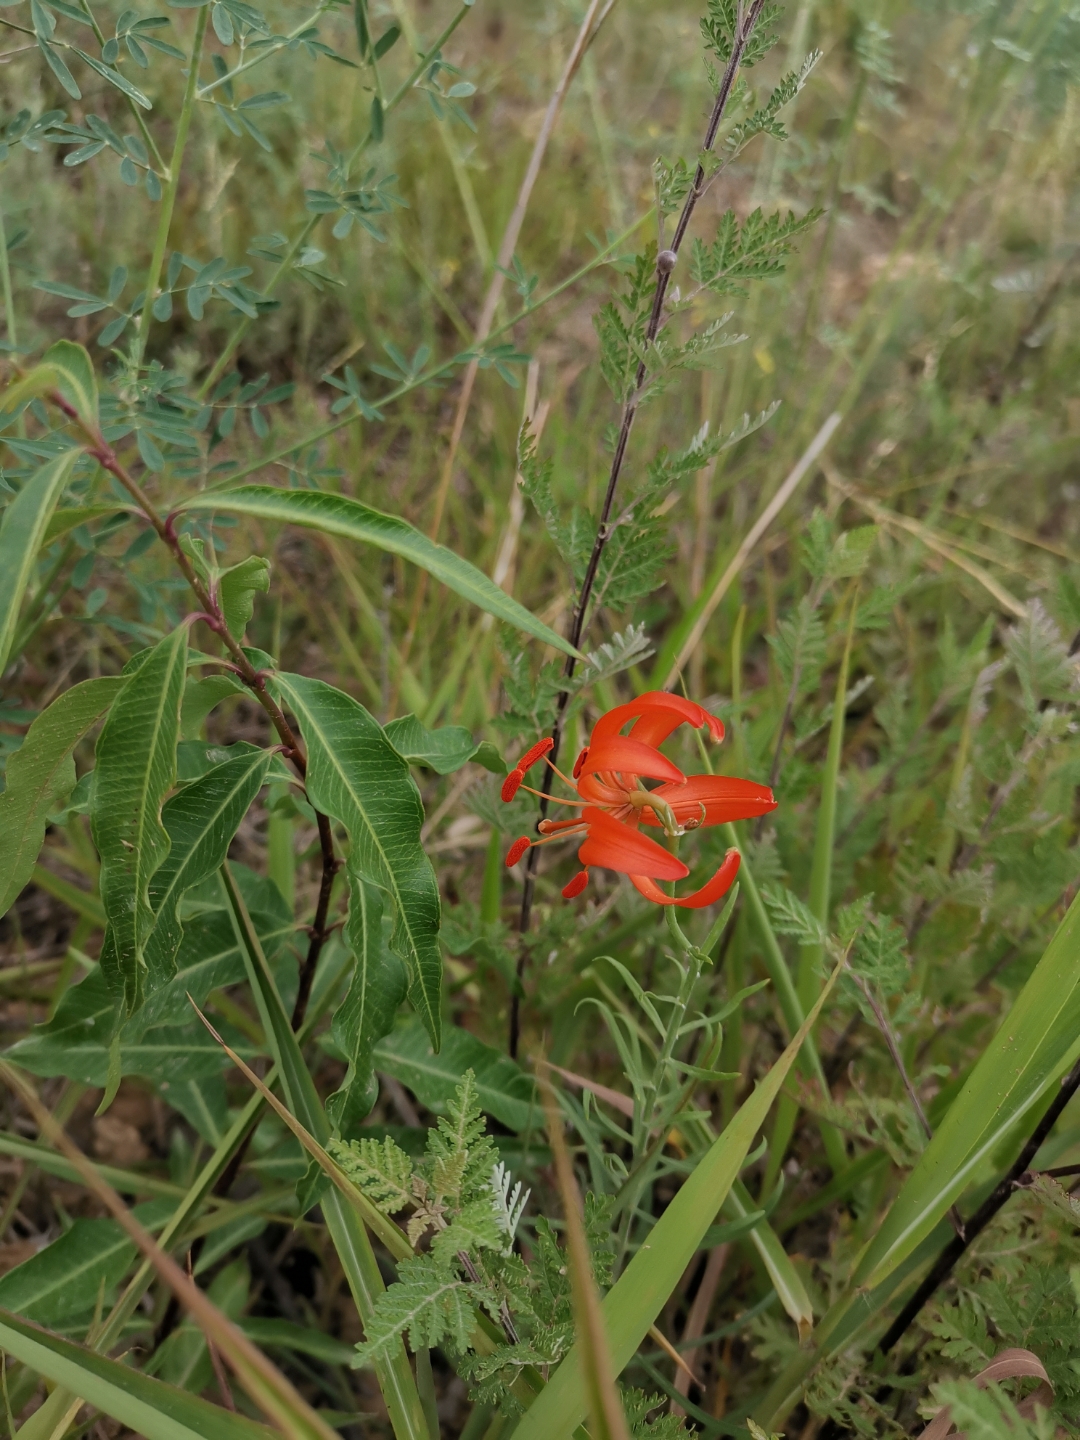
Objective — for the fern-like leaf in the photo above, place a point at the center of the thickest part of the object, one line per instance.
(381, 1169)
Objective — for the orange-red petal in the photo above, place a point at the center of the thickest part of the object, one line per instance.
(709, 893)
(725, 798)
(580, 761)
(631, 757)
(657, 714)
(615, 845)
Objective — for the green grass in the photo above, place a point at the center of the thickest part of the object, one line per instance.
(934, 307)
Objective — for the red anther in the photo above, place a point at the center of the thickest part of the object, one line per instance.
(517, 849)
(576, 885)
(531, 756)
(511, 783)
(580, 761)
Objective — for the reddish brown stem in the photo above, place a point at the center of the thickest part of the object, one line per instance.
(255, 680)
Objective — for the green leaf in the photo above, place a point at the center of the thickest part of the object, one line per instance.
(338, 515)
(76, 380)
(444, 750)
(651, 1277)
(146, 1406)
(63, 1281)
(21, 535)
(503, 1088)
(60, 69)
(136, 766)
(357, 777)
(114, 77)
(200, 822)
(41, 775)
(270, 1333)
(237, 589)
(366, 1015)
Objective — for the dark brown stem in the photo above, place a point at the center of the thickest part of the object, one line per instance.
(254, 679)
(665, 265)
(974, 1227)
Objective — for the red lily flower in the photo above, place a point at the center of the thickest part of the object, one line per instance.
(613, 802)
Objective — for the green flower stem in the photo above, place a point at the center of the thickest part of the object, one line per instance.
(301, 240)
(168, 200)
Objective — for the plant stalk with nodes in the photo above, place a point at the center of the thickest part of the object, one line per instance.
(666, 260)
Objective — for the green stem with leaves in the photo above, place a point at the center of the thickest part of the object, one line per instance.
(288, 259)
(168, 200)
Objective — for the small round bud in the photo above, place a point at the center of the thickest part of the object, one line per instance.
(576, 885)
(517, 849)
(511, 783)
(665, 261)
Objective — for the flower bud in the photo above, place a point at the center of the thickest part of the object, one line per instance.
(665, 261)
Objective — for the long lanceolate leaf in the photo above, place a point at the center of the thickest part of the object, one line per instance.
(338, 515)
(357, 777)
(346, 1228)
(21, 535)
(1037, 1043)
(41, 774)
(200, 822)
(366, 1015)
(136, 766)
(148, 1407)
(648, 1281)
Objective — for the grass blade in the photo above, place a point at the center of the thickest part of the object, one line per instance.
(347, 1230)
(148, 1407)
(645, 1285)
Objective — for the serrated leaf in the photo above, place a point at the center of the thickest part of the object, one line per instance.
(41, 776)
(357, 777)
(376, 991)
(381, 1169)
(200, 822)
(427, 1306)
(237, 589)
(338, 515)
(22, 533)
(136, 767)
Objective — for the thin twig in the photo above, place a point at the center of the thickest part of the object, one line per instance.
(665, 264)
(974, 1227)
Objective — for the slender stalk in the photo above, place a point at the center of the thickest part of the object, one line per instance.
(5, 280)
(264, 54)
(974, 1227)
(168, 200)
(665, 264)
(136, 111)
